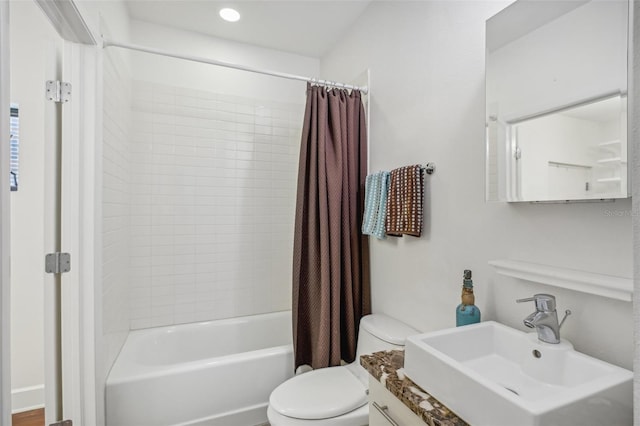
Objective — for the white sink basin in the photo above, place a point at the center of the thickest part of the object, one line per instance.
(490, 374)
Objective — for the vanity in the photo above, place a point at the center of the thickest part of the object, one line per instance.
(395, 400)
(489, 374)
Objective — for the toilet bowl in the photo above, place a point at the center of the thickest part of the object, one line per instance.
(336, 396)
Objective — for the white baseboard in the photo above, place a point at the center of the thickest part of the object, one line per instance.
(28, 398)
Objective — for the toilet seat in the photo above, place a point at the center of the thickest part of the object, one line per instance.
(319, 394)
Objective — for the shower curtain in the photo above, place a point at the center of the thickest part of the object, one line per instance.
(331, 257)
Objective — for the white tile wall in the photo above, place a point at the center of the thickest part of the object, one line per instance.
(213, 181)
(115, 205)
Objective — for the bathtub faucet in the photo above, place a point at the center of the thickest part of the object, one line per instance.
(545, 318)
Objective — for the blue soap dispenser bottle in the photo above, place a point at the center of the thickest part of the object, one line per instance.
(467, 312)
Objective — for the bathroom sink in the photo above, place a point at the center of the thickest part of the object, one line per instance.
(491, 374)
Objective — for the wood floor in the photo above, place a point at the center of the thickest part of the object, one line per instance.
(29, 418)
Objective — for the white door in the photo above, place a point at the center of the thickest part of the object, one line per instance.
(52, 319)
(35, 57)
(62, 346)
(5, 285)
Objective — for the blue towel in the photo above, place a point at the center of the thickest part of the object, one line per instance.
(370, 193)
(375, 204)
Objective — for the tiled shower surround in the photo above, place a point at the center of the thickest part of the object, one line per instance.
(213, 181)
(116, 207)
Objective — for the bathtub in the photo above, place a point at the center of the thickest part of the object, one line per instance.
(215, 373)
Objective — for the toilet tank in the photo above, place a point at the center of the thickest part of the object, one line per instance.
(379, 332)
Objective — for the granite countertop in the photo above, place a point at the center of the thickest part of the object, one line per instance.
(388, 368)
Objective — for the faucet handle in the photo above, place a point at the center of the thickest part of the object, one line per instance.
(544, 302)
(566, 314)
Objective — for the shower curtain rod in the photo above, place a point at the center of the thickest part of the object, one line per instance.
(110, 43)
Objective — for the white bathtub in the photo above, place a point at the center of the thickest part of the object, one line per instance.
(215, 373)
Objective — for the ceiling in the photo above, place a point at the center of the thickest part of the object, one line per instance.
(306, 27)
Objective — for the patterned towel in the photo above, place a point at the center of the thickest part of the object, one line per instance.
(404, 210)
(375, 204)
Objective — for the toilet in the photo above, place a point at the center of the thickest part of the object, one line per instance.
(337, 396)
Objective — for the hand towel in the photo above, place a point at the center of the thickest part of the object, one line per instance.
(405, 209)
(370, 192)
(375, 208)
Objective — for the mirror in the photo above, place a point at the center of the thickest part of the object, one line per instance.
(556, 106)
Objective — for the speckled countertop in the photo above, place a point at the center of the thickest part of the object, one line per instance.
(388, 368)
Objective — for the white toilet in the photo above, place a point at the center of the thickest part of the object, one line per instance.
(336, 396)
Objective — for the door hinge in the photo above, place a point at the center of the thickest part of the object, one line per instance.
(62, 423)
(58, 91)
(57, 263)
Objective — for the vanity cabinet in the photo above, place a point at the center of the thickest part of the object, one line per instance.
(387, 410)
(395, 400)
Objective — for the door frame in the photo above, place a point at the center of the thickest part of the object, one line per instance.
(78, 213)
(80, 192)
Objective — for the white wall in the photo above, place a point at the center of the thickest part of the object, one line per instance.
(226, 81)
(105, 17)
(427, 104)
(31, 38)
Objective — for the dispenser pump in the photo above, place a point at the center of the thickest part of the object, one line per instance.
(467, 312)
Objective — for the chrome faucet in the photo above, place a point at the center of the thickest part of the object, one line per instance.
(545, 318)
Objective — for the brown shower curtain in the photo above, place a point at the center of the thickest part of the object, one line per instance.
(331, 257)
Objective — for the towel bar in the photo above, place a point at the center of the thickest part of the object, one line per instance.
(430, 168)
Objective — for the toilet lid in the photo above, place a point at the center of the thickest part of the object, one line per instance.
(319, 394)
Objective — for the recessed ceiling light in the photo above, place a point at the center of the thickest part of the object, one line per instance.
(230, 15)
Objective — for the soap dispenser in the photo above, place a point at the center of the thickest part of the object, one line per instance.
(467, 312)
